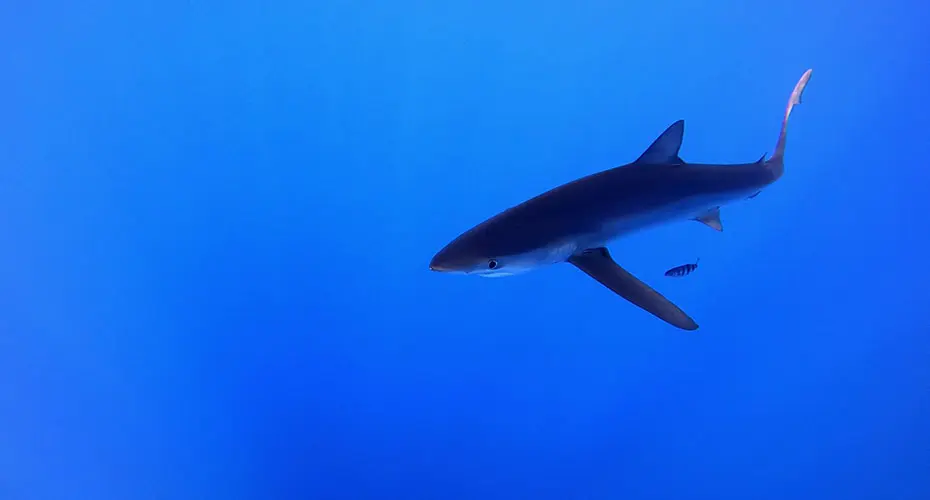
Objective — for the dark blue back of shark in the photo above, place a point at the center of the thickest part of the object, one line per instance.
(658, 179)
(583, 205)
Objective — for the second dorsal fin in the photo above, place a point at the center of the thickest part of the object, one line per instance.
(664, 150)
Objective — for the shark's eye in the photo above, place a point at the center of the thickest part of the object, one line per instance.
(492, 264)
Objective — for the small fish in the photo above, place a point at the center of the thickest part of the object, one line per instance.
(682, 270)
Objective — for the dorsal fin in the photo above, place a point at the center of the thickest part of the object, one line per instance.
(664, 150)
(711, 219)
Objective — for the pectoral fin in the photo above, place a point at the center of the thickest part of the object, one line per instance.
(712, 219)
(598, 264)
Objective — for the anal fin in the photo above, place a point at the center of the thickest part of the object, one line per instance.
(598, 264)
(711, 219)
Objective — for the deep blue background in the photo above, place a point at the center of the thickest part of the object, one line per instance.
(216, 219)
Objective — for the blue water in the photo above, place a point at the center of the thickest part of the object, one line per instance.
(216, 220)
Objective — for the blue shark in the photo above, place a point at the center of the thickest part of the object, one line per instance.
(574, 222)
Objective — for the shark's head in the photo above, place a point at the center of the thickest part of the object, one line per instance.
(480, 252)
(463, 257)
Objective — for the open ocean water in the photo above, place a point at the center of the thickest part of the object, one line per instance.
(216, 221)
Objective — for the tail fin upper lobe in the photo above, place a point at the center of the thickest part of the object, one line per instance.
(777, 162)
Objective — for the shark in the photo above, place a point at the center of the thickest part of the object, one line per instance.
(574, 222)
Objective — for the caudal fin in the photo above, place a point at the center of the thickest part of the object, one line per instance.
(777, 162)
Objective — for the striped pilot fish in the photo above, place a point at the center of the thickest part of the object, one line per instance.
(683, 270)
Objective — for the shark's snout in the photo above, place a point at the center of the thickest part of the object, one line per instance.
(442, 262)
(439, 263)
(452, 258)
(438, 266)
